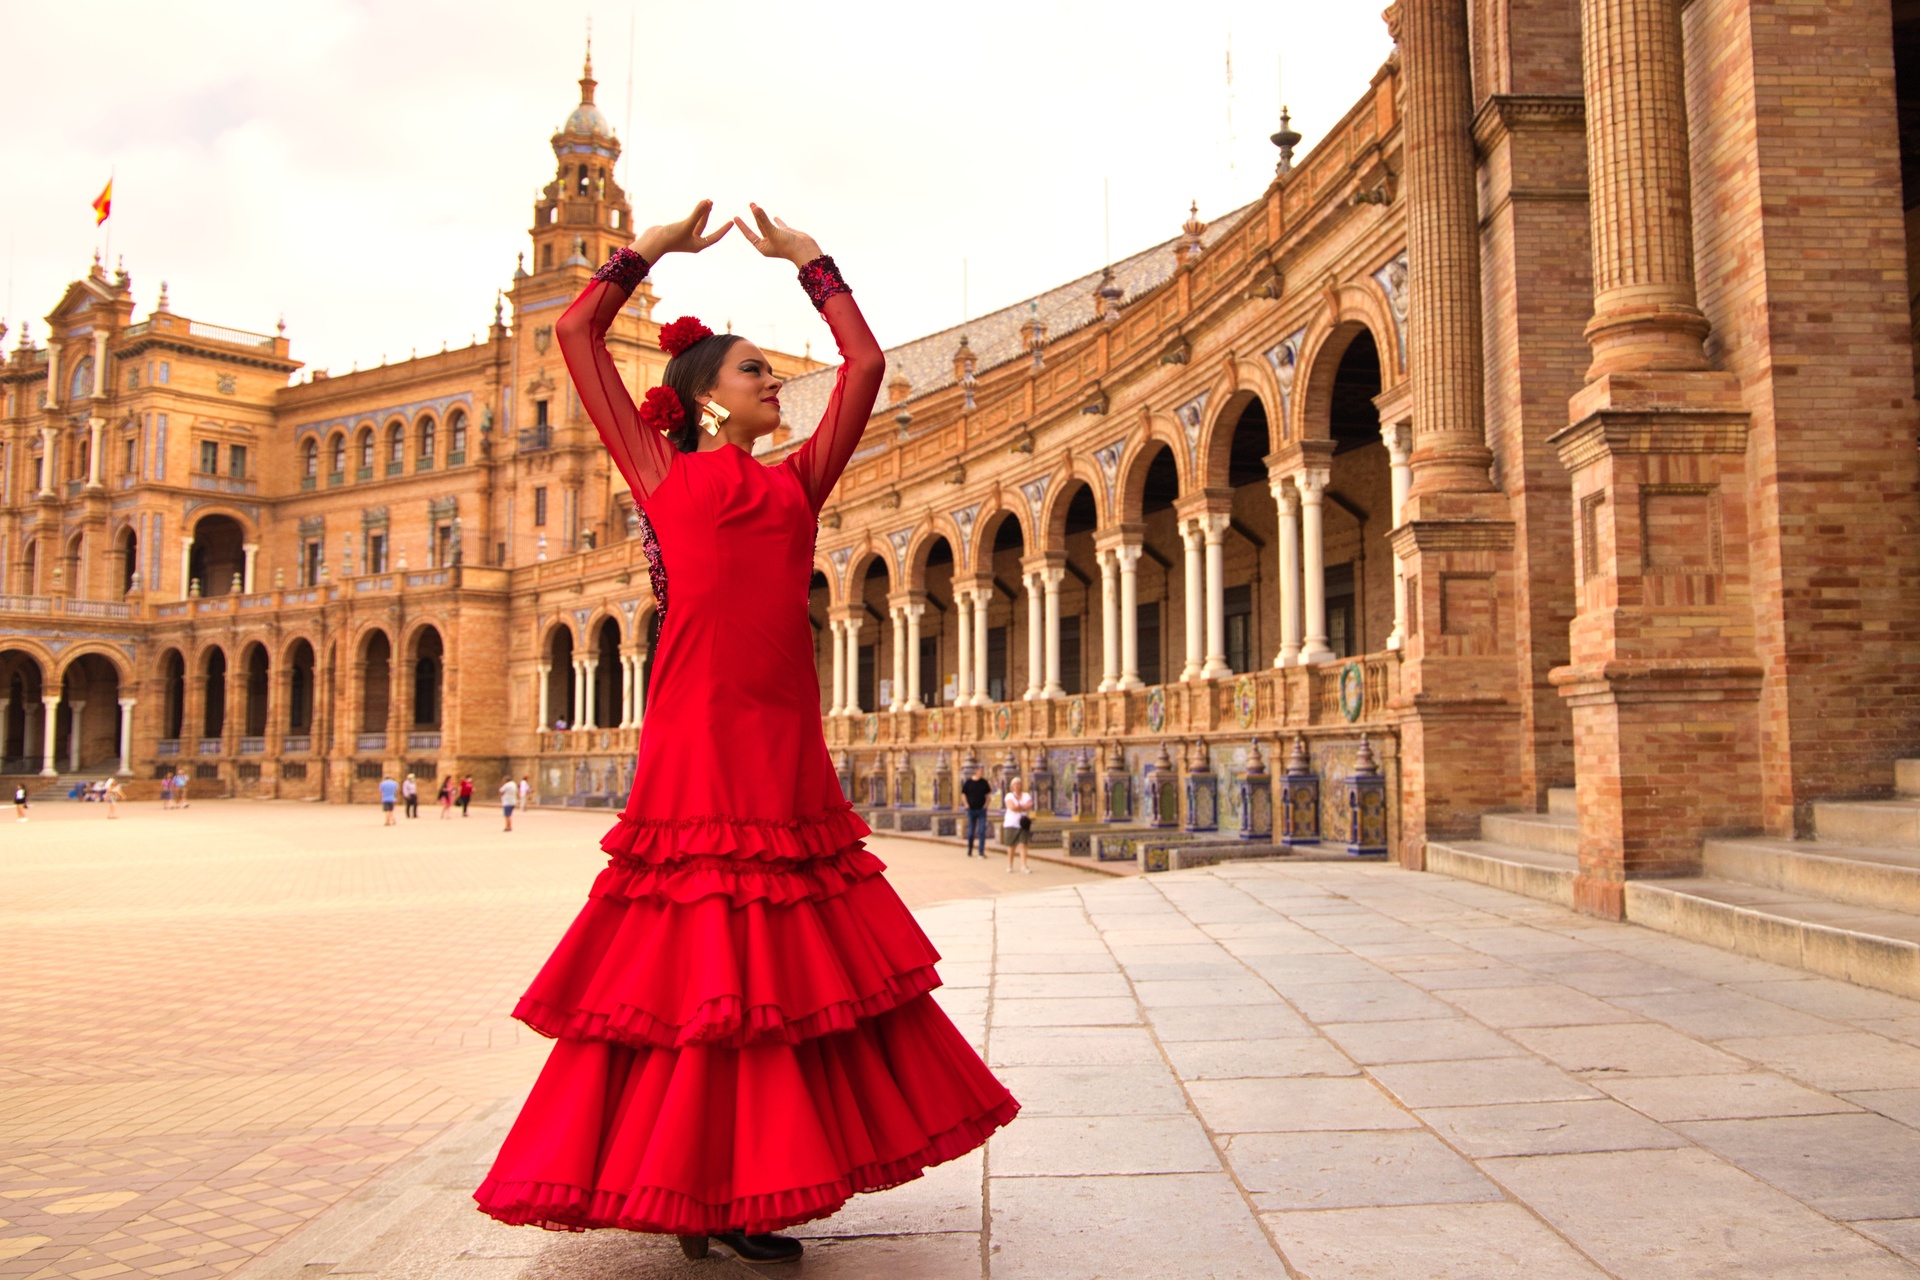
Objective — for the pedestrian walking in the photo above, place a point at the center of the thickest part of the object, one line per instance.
(1016, 824)
(509, 795)
(410, 791)
(466, 793)
(975, 791)
(389, 792)
(526, 792)
(113, 794)
(19, 802)
(446, 797)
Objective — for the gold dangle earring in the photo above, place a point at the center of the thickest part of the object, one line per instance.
(712, 414)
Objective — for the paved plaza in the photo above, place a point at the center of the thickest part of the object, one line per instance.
(270, 1041)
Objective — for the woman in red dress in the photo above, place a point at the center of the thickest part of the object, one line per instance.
(745, 1035)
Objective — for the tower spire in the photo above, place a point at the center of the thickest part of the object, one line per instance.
(587, 82)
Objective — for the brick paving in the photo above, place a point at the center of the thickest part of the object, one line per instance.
(219, 1023)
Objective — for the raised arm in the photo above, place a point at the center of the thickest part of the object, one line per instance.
(820, 460)
(642, 456)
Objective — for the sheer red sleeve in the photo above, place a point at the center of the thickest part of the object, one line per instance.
(824, 456)
(643, 456)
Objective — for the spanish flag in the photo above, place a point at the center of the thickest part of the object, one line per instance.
(103, 203)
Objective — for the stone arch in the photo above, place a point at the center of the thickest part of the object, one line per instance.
(1313, 394)
(373, 663)
(256, 677)
(211, 669)
(557, 648)
(1138, 461)
(23, 683)
(823, 568)
(122, 668)
(861, 566)
(217, 560)
(1077, 472)
(426, 436)
(995, 512)
(300, 661)
(1241, 383)
(125, 562)
(170, 670)
(426, 651)
(337, 453)
(605, 635)
(87, 722)
(393, 451)
(938, 528)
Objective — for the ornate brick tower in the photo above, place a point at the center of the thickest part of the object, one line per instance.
(582, 215)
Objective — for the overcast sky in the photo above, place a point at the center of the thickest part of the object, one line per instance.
(367, 169)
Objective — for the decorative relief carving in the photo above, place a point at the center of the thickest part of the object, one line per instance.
(1036, 492)
(963, 520)
(1392, 280)
(1284, 359)
(1191, 416)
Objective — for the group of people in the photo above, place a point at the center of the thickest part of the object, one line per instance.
(1016, 818)
(173, 789)
(405, 794)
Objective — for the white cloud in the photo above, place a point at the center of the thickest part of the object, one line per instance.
(369, 169)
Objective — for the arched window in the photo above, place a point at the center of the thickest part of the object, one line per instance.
(457, 430)
(81, 385)
(396, 444)
(339, 452)
(366, 450)
(310, 461)
(429, 438)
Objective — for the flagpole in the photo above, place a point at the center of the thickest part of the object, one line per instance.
(107, 255)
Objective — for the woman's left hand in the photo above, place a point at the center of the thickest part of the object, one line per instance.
(776, 239)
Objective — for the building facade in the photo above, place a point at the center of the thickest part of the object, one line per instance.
(1550, 424)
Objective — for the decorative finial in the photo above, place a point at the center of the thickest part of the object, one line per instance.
(1286, 139)
(1109, 295)
(499, 302)
(163, 305)
(281, 324)
(586, 71)
(1363, 762)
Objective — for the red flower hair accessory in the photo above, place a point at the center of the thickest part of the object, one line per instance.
(661, 410)
(681, 334)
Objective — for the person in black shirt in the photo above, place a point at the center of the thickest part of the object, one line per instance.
(976, 789)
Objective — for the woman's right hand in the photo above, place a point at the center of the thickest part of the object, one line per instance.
(685, 236)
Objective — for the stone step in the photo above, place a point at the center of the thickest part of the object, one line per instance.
(1546, 832)
(1534, 873)
(1868, 822)
(1906, 777)
(1871, 946)
(1560, 802)
(1858, 875)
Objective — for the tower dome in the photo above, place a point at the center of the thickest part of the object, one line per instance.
(587, 119)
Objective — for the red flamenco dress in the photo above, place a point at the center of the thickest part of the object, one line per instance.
(744, 1032)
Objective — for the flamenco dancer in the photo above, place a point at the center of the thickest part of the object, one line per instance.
(744, 1032)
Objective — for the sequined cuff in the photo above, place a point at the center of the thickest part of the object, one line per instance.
(624, 268)
(821, 279)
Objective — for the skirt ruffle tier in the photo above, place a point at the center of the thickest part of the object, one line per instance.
(745, 1039)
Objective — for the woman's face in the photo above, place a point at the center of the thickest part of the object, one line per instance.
(748, 390)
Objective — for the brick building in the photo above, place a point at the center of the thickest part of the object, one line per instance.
(1550, 424)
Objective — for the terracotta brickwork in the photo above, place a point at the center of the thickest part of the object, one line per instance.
(1549, 422)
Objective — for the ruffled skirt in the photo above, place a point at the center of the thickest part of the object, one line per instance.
(745, 1039)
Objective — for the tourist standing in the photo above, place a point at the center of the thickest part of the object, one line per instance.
(446, 797)
(975, 791)
(526, 792)
(509, 795)
(466, 793)
(166, 791)
(112, 794)
(1016, 826)
(180, 788)
(19, 802)
(389, 792)
(411, 791)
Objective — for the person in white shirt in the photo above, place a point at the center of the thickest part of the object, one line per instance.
(526, 791)
(509, 795)
(1016, 824)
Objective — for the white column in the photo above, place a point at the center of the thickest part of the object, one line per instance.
(186, 564)
(47, 438)
(49, 718)
(1313, 483)
(1400, 468)
(982, 694)
(126, 736)
(1036, 634)
(839, 703)
(1109, 620)
(251, 551)
(73, 734)
(963, 650)
(589, 717)
(853, 667)
(94, 426)
(626, 690)
(913, 614)
(99, 368)
(898, 702)
(1214, 527)
(1052, 578)
(1195, 538)
(53, 372)
(640, 687)
(546, 673)
(1128, 558)
(1283, 498)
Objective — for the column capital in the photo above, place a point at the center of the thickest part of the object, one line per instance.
(128, 702)
(1052, 576)
(1192, 534)
(50, 699)
(1398, 437)
(1131, 534)
(1127, 555)
(1205, 502)
(914, 610)
(1284, 495)
(1214, 525)
(1040, 561)
(1312, 482)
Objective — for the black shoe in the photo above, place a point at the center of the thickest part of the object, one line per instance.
(693, 1246)
(761, 1248)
